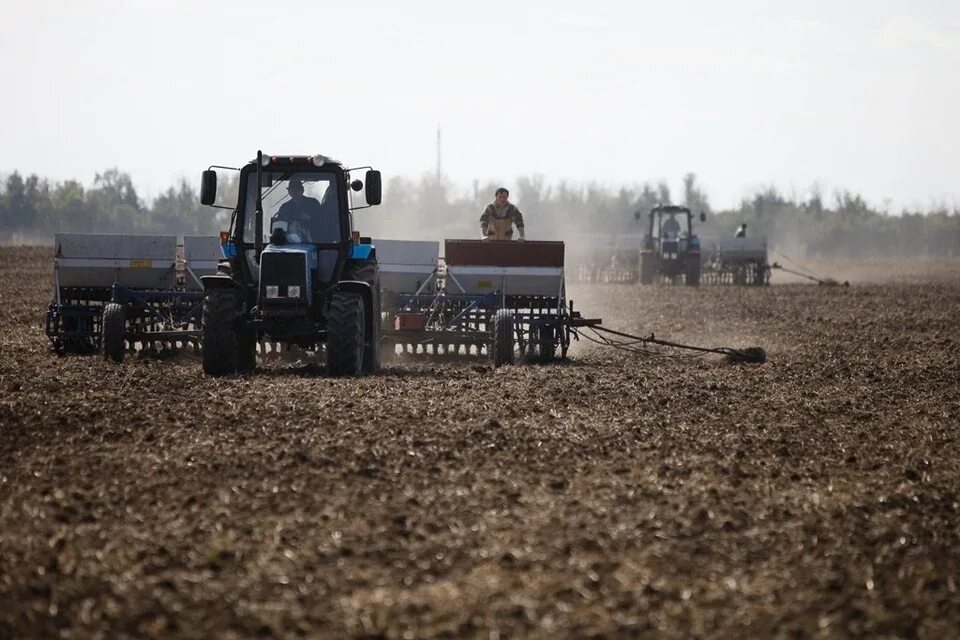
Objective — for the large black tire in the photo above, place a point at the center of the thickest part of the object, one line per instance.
(372, 349)
(219, 335)
(364, 271)
(692, 278)
(368, 271)
(345, 344)
(502, 347)
(647, 267)
(114, 323)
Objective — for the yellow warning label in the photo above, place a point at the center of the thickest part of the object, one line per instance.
(141, 264)
(485, 284)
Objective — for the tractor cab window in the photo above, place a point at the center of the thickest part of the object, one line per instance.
(671, 228)
(304, 204)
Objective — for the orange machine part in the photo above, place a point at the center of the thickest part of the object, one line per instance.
(409, 322)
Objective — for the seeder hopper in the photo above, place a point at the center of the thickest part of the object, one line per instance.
(740, 261)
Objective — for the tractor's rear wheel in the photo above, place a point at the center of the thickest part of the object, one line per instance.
(368, 271)
(363, 271)
(219, 336)
(372, 350)
(502, 348)
(692, 278)
(345, 348)
(647, 268)
(114, 324)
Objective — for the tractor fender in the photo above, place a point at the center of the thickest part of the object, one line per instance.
(219, 281)
(366, 292)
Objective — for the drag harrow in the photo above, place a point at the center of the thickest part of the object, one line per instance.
(823, 282)
(638, 344)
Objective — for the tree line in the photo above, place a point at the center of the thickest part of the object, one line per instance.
(841, 225)
(33, 208)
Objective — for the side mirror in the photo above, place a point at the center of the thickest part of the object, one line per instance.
(208, 187)
(374, 188)
(703, 217)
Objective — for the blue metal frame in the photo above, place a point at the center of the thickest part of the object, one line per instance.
(361, 251)
(152, 301)
(74, 325)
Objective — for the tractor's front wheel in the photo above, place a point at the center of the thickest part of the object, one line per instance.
(647, 268)
(219, 336)
(345, 335)
(502, 338)
(114, 324)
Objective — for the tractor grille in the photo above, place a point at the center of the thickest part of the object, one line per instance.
(283, 270)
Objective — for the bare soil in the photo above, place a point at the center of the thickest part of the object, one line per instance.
(613, 495)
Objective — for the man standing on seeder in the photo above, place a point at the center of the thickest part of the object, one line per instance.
(498, 219)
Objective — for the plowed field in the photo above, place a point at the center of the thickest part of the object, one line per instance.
(815, 495)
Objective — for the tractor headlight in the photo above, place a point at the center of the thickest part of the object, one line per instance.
(273, 291)
(293, 291)
(319, 160)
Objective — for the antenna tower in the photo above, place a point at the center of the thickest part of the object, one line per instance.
(439, 166)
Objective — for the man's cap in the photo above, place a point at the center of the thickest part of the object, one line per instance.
(294, 182)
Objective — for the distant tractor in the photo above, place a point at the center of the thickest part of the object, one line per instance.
(670, 248)
(294, 272)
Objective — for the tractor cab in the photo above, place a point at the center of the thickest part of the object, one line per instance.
(291, 253)
(670, 247)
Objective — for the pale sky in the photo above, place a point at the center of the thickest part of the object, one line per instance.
(857, 94)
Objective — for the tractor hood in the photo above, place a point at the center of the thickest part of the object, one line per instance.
(286, 273)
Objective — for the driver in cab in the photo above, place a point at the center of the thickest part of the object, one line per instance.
(671, 228)
(299, 213)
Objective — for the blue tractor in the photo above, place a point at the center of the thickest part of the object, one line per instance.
(670, 248)
(294, 271)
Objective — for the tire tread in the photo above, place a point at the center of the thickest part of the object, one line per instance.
(345, 335)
